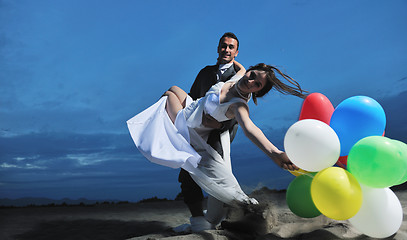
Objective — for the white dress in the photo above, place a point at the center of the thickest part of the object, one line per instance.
(183, 144)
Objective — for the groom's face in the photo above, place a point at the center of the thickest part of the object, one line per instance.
(227, 50)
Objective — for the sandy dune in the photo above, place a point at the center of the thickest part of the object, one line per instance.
(273, 220)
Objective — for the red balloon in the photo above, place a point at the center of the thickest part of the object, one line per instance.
(342, 162)
(317, 106)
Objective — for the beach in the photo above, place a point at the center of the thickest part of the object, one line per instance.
(155, 220)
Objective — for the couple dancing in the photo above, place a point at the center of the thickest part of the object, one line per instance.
(193, 131)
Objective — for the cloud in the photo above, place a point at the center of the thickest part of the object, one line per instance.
(96, 166)
(61, 154)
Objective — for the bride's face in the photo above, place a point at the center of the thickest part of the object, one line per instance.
(252, 81)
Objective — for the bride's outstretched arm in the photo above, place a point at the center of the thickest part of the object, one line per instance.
(241, 113)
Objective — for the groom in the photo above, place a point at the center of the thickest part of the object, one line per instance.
(228, 49)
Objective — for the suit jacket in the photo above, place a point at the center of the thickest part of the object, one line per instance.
(207, 77)
(203, 82)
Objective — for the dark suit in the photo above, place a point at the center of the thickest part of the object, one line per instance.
(203, 82)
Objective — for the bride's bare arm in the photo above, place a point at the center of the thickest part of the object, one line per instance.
(241, 113)
(242, 70)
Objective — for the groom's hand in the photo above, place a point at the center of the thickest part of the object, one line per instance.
(210, 122)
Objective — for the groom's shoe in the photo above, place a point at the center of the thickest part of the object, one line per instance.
(199, 224)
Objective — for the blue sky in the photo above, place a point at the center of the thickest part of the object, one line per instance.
(73, 72)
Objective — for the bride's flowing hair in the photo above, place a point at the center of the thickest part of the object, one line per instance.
(273, 82)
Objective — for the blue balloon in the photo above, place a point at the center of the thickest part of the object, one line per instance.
(356, 118)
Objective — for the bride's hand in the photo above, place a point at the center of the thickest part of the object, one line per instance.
(282, 160)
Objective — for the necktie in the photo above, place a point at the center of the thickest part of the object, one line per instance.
(220, 72)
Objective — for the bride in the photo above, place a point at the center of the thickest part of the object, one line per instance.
(171, 132)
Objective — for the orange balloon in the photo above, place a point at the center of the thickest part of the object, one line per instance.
(317, 106)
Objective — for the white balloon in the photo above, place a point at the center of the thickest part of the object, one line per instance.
(312, 145)
(381, 214)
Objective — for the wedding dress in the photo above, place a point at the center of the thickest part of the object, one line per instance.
(183, 144)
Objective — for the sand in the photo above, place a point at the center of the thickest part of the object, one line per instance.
(155, 220)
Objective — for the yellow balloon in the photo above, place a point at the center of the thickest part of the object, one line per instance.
(298, 172)
(336, 193)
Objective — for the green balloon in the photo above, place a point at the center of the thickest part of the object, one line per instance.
(403, 148)
(299, 199)
(377, 162)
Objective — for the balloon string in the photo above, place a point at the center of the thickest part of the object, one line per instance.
(309, 175)
(302, 173)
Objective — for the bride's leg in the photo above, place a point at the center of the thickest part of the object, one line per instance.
(175, 101)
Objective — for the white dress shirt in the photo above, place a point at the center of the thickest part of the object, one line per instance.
(222, 69)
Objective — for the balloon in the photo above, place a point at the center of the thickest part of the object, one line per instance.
(317, 106)
(298, 172)
(403, 148)
(342, 162)
(336, 193)
(312, 145)
(377, 161)
(298, 197)
(381, 214)
(355, 118)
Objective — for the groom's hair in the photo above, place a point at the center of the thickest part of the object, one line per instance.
(230, 35)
